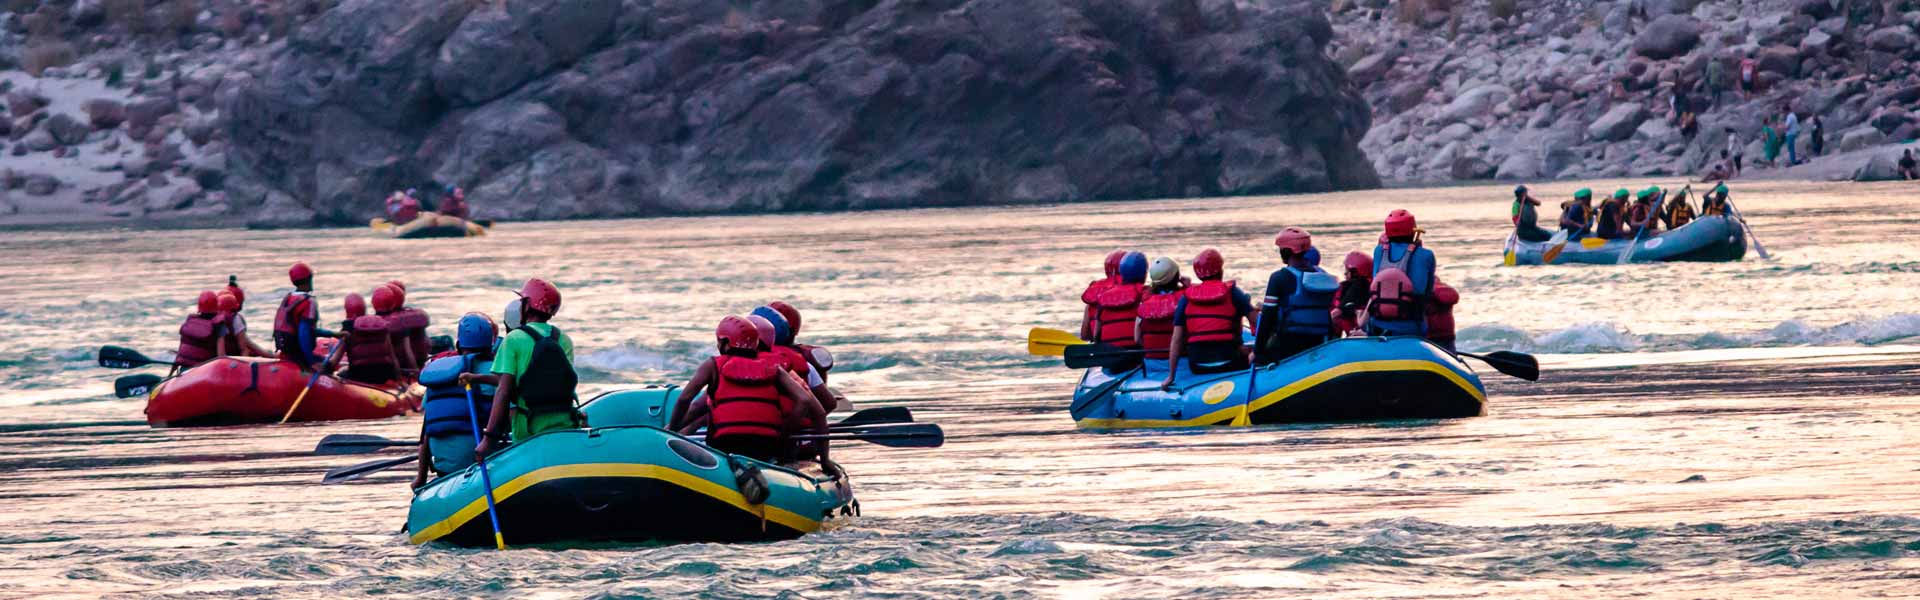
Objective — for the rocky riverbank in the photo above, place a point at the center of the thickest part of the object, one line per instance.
(1561, 89)
(550, 109)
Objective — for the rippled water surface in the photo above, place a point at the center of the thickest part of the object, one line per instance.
(1722, 431)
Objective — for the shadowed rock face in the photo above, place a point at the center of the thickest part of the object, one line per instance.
(575, 108)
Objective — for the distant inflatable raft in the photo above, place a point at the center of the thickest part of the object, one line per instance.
(431, 225)
(1709, 239)
(1351, 379)
(235, 391)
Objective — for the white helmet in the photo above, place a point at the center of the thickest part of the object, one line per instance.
(513, 319)
(1164, 271)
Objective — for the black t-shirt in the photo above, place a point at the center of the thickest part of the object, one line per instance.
(1906, 161)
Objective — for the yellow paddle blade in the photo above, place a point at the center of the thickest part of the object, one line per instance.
(1042, 341)
(379, 224)
(1592, 242)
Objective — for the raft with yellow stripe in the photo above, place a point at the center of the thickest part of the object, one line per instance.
(431, 225)
(627, 479)
(1350, 379)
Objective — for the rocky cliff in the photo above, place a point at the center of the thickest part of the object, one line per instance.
(1566, 89)
(550, 109)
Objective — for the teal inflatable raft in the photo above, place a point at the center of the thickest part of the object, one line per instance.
(1709, 239)
(1350, 379)
(627, 479)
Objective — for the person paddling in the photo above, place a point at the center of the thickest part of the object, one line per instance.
(752, 398)
(1120, 307)
(1090, 316)
(1526, 217)
(402, 208)
(446, 431)
(532, 371)
(296, 324)
(1576, 218)
(1352, 296)
(1714, 203)
(1403, 275)
(781, 348)
(1206, 323)
(238, 343)
(454, 204)
(369, 353)
(203, 336)
(1678, 212)
(1613, 216)
(1296, 314)
(1154, 329)
(1643, 217)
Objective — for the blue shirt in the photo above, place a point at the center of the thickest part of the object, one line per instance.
(1419, 270)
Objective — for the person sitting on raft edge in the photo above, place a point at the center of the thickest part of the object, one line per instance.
(1526, 217)
(296, 324)
(1206, 322)
(532, 372)
(1120, 308)
(446, 429)
(1153, 332)
(1090, 317)
(203, 337)
(1404, 271)
(752, 398)
(1576, 217)
(1296, 314)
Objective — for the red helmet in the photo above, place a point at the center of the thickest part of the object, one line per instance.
(737, 332)
(1359, 263)
(356, 306)
(1113, 261)
(1209, 264)
(762, 327)
(229, 302)
(398, 286)
(208, 302)
(399, 293)
(1400, 223)
(239, 295)
(385, 299)
(299, 272)
(791, 314)
(541, 296)
(1295, 239)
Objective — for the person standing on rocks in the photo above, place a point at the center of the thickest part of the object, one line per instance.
(1736, 150)
(1716, 79)
(1793, 135)
(1748, 75)
(1771, 138)
(1817, 142)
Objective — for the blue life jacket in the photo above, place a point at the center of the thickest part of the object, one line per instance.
(1309, 309)
(445, 404)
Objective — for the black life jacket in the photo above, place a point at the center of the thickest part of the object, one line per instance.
(548, 383)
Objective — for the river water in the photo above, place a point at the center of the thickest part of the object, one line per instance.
(1723, 430)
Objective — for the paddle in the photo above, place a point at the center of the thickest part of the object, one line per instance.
(115, 357)
(350, 473)
(1086, 356)
(1042, 341)
(1652, 216)
(1559, 241)
(493, 511)
(317, 371)
(911, 435)
(1516, 364)
(864, 421)
(135, 385)
(1743, 225)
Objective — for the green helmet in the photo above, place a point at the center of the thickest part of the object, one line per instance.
(1620, 194)
(1645, 194)
(1583, 194)
(1720, 189)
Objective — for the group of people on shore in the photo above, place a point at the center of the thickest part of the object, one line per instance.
(1616, 217)
(1152, 308)
(761, 389)
(405, 206)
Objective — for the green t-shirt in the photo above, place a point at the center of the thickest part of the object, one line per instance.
(512, 358)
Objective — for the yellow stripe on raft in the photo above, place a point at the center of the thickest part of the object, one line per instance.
(676, 477)
(1288, 391)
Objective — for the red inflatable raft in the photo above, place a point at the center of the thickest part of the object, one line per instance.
(230, 391)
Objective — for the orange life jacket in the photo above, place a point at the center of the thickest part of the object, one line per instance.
(1156, 322)
(746, 400)
(1119, 306)
(1211, 315)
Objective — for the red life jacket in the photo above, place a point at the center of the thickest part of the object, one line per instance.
(1211, 315)
(1156, 322)
(1091, 297)
(1119, 306)
(1343, 319)
(409, 325)
(1392, 296)
(746, 400)
(368, 343)
(403, 210)
(294, 309)
(819, 357)
(199, 339)
(1440, 312)
(453, 206)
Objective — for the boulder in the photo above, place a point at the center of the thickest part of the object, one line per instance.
(1471, 167)
(20, 103)
(66, 129)
(1784, 60)
(1657, 131)
(179, 197)
(1618, 123)
(144, 113)
(1882, 166)
(39, 141)
(1456, 132)
(41, 185)
(103, 113)
(1475, 102)
(1668, 36)
(1406, 95)
(1818, 9)
(1891, 118)
(1371, 68)
(699, 107)
(280, 211)
(1894, 40)
(1860, 138)
(1522, 166)
(1816, 42)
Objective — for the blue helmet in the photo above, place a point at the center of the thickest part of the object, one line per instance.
(782, 333)
(476, 331)
(1313, 256)
(1133, 268)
